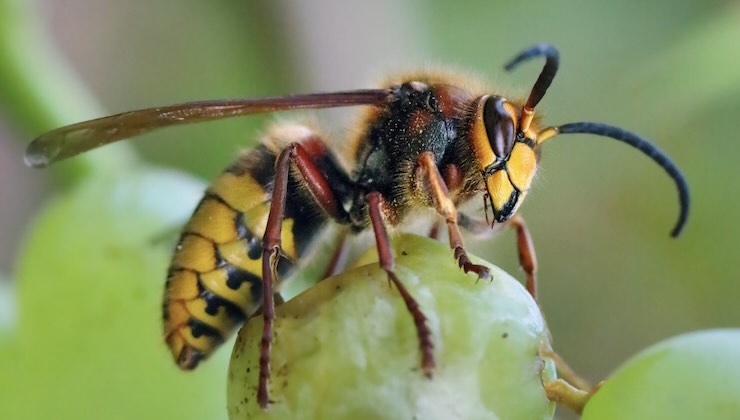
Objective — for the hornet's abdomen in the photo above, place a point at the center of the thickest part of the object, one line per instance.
(214, 282)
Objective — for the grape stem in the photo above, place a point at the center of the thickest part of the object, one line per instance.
(571, 390)
(562, 392)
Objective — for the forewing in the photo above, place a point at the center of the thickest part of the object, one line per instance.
(77, 138)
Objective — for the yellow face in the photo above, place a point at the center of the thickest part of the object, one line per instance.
(507, 161)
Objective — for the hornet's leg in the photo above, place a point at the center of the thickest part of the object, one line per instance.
(434, 231)
(376, 204)
(322, 194)
(525, 246)
(527, 257)
(453, 179)
(428, 173)
(559, 390)
(339, 258)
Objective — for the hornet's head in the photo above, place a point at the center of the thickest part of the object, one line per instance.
(506, 144)
(506, 157)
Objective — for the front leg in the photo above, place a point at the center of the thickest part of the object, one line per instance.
(429, 179)
(525, 246)
(527, 257)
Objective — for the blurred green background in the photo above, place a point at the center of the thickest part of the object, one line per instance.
(611, 279)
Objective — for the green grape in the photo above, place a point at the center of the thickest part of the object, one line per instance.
(347, 347)
(692, 376)
(90, 284)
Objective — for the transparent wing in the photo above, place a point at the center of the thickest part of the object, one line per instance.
(77, 138)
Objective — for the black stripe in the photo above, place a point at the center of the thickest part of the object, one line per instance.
(254, 245)
(214, 301)
(255, 248)
(242, 231)
(505, 213)
(237, 276)
(259, 163)
(520, 138)
(200, 328)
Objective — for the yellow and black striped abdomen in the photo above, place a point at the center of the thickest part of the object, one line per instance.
(215, 278)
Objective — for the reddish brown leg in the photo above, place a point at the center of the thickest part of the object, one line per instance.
(453, 179)
(527, 257)
(434, 231)
(318, 185)
(376, 203)
(339, 258)
(428, 173)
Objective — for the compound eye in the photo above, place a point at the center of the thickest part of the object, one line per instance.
(499, 125)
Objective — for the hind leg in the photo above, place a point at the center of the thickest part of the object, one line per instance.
(301, 156)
